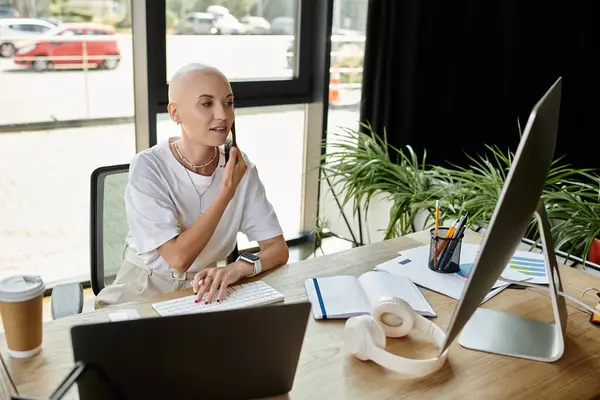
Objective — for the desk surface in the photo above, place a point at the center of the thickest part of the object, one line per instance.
(326, 372)
(6, 388)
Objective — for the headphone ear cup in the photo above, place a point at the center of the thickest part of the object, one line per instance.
(395, 316)
(361, 333)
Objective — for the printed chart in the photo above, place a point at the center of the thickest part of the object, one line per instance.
(528, 266)
(522, 266)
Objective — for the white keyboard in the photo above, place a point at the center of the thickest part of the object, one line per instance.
(250, 294)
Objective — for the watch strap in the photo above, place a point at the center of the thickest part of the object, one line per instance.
(256, 264)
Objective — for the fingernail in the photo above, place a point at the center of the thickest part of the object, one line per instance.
(218, 300)
(196, 301)
(206, 302)
(195, 293)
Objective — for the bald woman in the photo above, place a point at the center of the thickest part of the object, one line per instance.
(185, 205)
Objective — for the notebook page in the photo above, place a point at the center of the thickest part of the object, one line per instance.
(336, 297)
(377, 284)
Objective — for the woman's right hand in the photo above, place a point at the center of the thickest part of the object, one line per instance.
(234, 172)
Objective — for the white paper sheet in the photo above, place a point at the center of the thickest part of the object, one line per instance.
(412, 264)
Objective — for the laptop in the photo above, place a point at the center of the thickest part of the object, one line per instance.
(233, 354)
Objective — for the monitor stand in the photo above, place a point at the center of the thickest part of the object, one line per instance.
(501, 333)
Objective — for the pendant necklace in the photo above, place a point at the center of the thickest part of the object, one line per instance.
(190, 177)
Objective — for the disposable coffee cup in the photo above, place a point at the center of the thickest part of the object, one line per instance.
(21, 299)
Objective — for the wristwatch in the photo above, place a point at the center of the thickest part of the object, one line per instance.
(252, 259)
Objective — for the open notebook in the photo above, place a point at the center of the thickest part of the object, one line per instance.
(345, 296)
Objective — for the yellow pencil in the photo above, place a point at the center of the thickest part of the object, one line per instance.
(437, 216)
(449, 234)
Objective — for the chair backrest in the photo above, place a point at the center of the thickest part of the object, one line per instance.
(108, 224)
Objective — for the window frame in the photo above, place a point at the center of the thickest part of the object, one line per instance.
(304, 88)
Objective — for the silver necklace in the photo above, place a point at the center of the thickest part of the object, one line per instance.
(192, 181)
(196, 189)
(189, 163)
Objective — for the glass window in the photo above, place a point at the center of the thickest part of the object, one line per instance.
(46, 166)
(29, 27)
(71, 32)
(273, 139)
(247, 40)
(39, 28)
(95, 32)
(347, 54)
(95, 78)
(346, 66)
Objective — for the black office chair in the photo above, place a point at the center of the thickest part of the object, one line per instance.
(108, 230)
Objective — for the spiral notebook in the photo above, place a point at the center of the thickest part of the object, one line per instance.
(345, 296)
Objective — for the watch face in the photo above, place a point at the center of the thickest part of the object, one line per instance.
(250, 256)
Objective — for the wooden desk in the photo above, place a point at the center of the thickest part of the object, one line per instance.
(326, 372)
(6, 387)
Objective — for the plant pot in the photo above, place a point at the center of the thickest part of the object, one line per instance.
(594, 254)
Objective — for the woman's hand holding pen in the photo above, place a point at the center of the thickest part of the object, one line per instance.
(210, 280)
(234, 172)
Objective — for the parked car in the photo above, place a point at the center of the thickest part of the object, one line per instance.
(256, 25)
(8, 11)
(229, 25)
(72, 45)
(217, 10)
(207, 23)
(197, 23)
(15, 31)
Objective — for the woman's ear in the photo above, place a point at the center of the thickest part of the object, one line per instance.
(172, 109)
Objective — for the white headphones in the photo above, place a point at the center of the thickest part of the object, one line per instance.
(392, 317)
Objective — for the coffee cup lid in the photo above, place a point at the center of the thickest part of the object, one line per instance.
(21, 288)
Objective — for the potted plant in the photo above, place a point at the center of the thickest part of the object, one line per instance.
(476, 188)
(575, 213)
(363, 164)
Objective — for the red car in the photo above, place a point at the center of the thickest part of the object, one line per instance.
(72, 45)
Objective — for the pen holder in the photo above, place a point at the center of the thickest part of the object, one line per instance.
(444, 253)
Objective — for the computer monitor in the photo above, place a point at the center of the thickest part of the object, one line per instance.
(497, 332)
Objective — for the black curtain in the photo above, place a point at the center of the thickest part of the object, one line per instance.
(450, 76)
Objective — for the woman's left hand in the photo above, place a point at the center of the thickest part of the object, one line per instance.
(209, 280)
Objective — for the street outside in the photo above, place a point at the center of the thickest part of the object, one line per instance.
(30, 96)
(45, 179)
